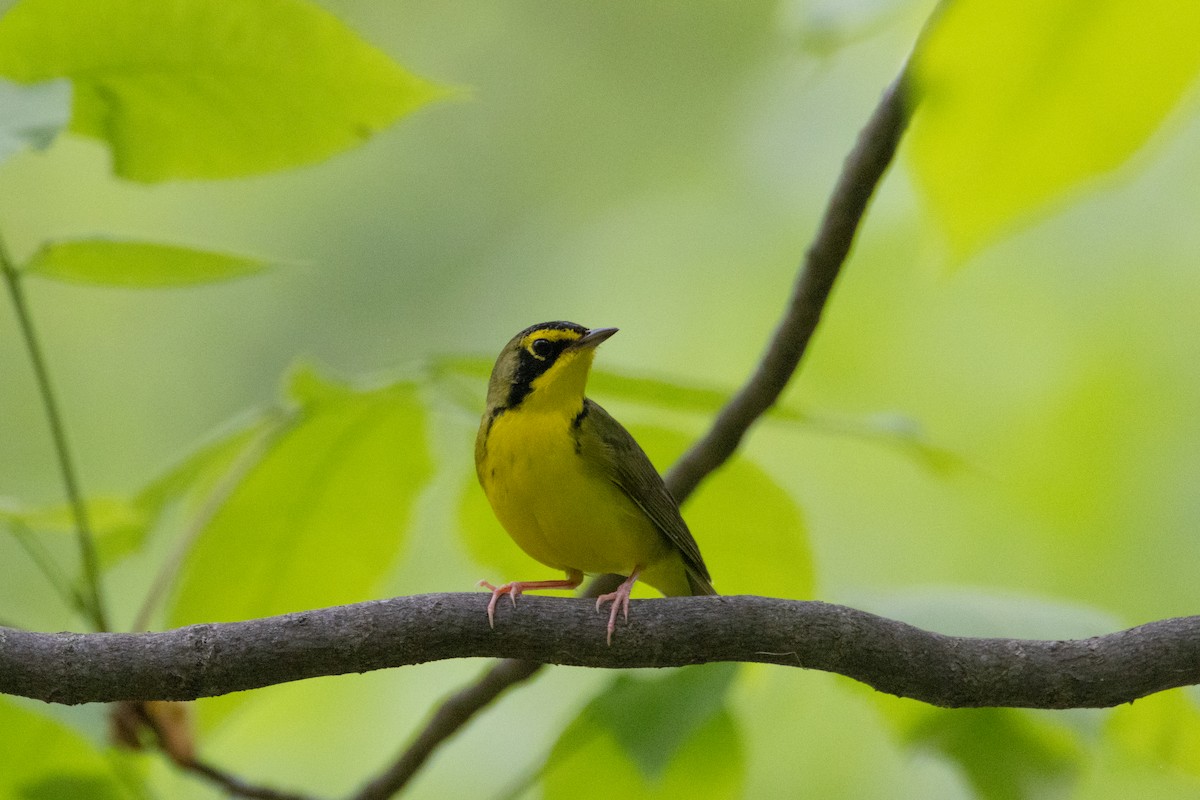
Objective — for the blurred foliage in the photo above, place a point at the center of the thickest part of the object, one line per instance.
(206, 89)
(669, 736)
(1054, 94)
(136, 264)
(319, 518)
(34, 114)
(46, 760)
(1008, 451)
(1163, 729)
(1003, 753)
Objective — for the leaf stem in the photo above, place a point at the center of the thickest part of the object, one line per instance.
(87, 543)
(36, 550)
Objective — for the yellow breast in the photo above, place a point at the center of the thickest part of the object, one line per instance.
(558, 508)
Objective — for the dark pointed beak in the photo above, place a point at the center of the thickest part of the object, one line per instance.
(593, 337)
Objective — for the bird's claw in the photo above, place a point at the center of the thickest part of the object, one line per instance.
(620, 604)
(619, 600)
(511, 589)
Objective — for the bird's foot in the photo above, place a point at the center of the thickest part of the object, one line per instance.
(516, 588)
(510, 589)
(620, 602)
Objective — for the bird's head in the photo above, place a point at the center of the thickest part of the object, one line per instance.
(545, 366)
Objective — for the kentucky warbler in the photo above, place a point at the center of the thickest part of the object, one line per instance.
(568, 482)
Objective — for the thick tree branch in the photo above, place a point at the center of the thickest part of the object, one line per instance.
(893, 657)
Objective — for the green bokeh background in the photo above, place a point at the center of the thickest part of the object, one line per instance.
(660, 167)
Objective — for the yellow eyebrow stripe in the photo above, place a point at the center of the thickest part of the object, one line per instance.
(551, 334)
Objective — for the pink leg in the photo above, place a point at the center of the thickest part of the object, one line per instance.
(516, 588)
(619, 600)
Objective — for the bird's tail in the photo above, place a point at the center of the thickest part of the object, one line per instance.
(699, 584)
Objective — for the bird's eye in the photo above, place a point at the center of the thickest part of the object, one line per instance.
(541, 348)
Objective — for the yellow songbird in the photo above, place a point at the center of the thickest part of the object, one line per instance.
(569, 483)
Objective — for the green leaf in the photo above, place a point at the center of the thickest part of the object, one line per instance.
(652, 718)
(1005, 753)
(307, 387)
(669, 736)
(31, 116)
(749, 530)
(319, 520)
(1163, 729)
(1020, 102)
(209, 88)
(117, 523)
(45, 760)
(136, 265)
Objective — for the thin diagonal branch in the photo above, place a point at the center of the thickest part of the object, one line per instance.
(168, 723)
(58, 431)
(863, 170)
(235, 786)
(452, 715)
(459, 708)
(892, 656)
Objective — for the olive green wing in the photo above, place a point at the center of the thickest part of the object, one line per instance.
(630, 468)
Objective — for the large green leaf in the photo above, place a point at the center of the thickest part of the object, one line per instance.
(45, 760)
(136, 264)
(750, 531)
(1019, 102)
(31, 116)
(319, 519)
(668, 736)
(209, 88)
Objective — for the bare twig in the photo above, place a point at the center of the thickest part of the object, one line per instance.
(235, 786)
(457, 710)
(92, 593)
(169, 724)
(893, 657)
(452, 715)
